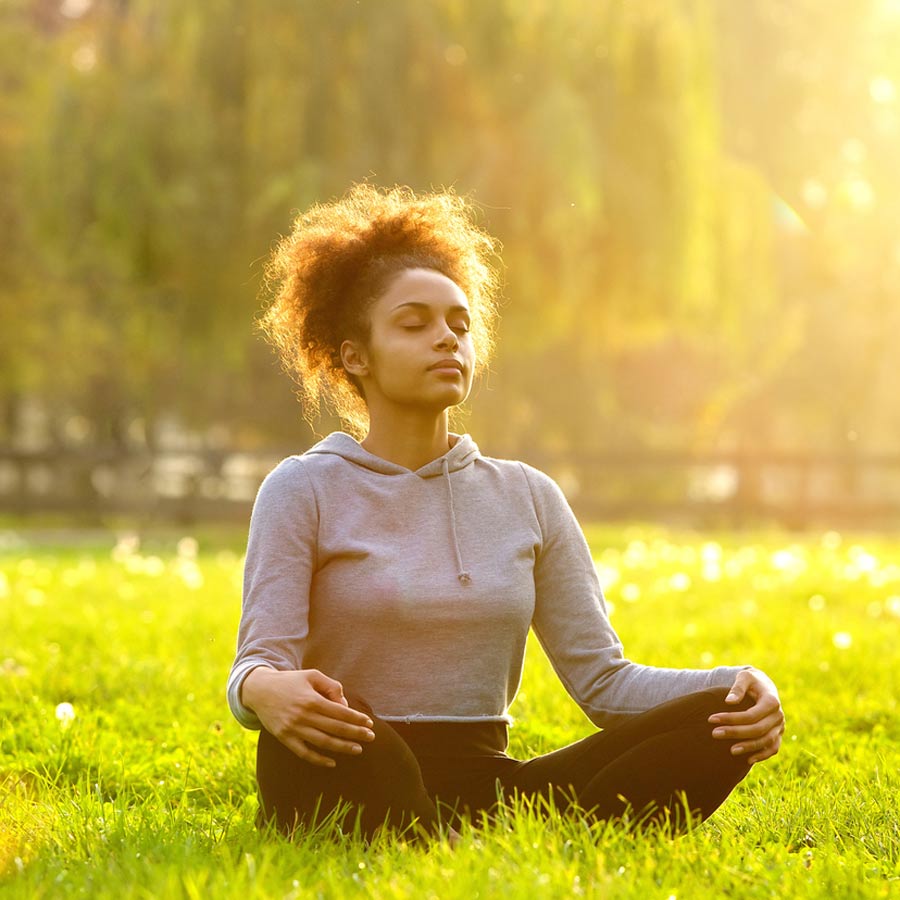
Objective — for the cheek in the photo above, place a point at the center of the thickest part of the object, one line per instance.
(392, 365)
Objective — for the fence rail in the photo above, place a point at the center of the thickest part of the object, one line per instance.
(190, 484)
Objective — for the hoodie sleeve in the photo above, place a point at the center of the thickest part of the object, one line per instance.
(281, 557)
(572, 625)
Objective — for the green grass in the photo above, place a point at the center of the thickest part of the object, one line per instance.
(149, 791)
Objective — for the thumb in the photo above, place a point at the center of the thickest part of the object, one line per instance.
(328, 687)
(738, 689)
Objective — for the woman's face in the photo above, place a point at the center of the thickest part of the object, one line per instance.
(419, 352)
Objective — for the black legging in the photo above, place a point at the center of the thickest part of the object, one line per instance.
(425, 774)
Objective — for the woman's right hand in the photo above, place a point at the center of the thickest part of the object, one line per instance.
(305, 709)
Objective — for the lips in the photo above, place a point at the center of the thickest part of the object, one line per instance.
(447, 364)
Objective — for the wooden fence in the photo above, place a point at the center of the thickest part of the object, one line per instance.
(735, 489)
(728, 489)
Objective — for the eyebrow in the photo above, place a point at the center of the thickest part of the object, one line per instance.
(419, 305)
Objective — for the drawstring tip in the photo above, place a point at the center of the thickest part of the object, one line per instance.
(464, 578)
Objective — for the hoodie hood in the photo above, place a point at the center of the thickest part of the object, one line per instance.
(463, 453)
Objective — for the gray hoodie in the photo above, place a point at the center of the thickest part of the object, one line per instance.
(416, 589)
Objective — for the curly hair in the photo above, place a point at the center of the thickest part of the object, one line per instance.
(340, 257)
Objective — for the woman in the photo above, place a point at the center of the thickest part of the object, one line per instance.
(390, 582)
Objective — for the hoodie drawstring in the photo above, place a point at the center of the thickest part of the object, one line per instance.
(463, 576)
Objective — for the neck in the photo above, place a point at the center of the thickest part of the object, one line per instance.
(409, 441)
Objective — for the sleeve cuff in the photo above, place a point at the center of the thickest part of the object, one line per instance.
(243, 714)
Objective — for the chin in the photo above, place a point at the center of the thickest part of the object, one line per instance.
(458, 398)
(444, 403)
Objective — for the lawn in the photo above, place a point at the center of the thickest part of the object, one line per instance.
(122, 773)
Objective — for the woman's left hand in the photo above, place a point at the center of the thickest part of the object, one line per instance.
(758, 729)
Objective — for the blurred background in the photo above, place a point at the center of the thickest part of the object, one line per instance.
(698, 202)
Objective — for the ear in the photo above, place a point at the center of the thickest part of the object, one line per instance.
(353, 357)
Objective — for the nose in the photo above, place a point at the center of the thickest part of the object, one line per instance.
(447, 339)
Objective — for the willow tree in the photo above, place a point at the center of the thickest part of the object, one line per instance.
(161, 148)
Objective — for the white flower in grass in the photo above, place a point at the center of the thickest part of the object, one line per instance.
(189, 572)
(680, 581)
(187, 548)
(711, 552)
(65, 714)
(192, 577)
(842, 640)
(126, 546)
(153, 566)
(782, 559)
(863, 560)
(607, 575)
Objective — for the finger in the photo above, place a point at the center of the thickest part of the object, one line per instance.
(766, 706)
(756, 750)
(328, 687)
(765, 754)
(299, 748)
(322, 741)
(339, 728)
(751, 746)
(751, 731)
(330, 709)
(745, 717)
(742, 682)
(736, 694)
(771, 739)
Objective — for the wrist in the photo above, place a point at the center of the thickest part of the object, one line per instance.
(254, 684)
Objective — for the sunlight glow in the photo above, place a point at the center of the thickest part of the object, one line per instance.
(815, 194)
(858, 193)
(75, 9)
(881, 90)
(84, 58)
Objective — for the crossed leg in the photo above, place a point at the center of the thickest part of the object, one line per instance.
(659, 764)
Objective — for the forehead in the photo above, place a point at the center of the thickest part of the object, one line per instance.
(422, 286)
